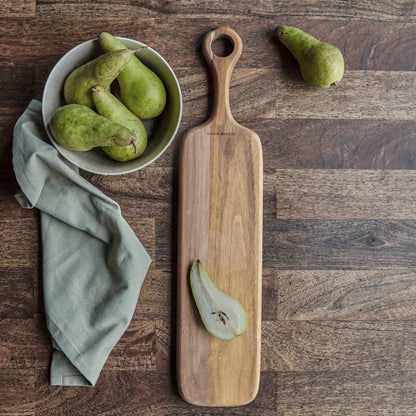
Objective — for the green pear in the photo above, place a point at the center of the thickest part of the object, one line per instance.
(77, 127)
(321, 64)
(223, 316)
(141, 90)
(100, 71)
(107, 105)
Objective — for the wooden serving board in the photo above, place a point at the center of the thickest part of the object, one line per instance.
(220, 223)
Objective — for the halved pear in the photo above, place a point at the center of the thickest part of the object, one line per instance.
(223, 316)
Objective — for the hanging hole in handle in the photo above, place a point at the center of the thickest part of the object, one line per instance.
(233, 53)
(222, 46)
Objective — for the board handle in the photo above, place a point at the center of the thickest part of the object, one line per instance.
(221, 68)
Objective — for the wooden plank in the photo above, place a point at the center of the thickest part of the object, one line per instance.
(337, 10)
(336, 144)
(20, 88)
(252, 94)
(381, 294)
(339, 244)
(165, 251)
(16, 292)
(159, 8)
(17, 8)
(384, 95)
(17, 392)
(24, 343)
(339, 345)
(344, 194)
(94, 9)
(40, 42)
(165, 345)
(136, 349)
(155, 300)
(152, 183)
(39, 306)
(11, 209)
(20, 242)
(366, 10)
(346, 393)
(222, 8)
(269, 198)
(7, 123)
(269, 294)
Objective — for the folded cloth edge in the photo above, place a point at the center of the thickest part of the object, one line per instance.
(72, 355)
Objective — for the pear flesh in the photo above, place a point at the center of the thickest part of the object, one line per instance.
(100, 71)
(222, 315)
(321, 64)
(108, 106)
(77, 127)
(141, 90)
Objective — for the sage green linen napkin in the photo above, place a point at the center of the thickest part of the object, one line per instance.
(93, 263)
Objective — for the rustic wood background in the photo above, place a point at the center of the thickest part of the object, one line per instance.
(339, 281)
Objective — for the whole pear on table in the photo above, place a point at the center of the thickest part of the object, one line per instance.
(141, 90)
(77, 127)
(108, 106)
(321, 64)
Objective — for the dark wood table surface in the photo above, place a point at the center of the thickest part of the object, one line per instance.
(339, 258)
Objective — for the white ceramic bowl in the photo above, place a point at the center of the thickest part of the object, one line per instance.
(161, 130)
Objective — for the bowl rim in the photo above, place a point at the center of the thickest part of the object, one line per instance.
(95, 171)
